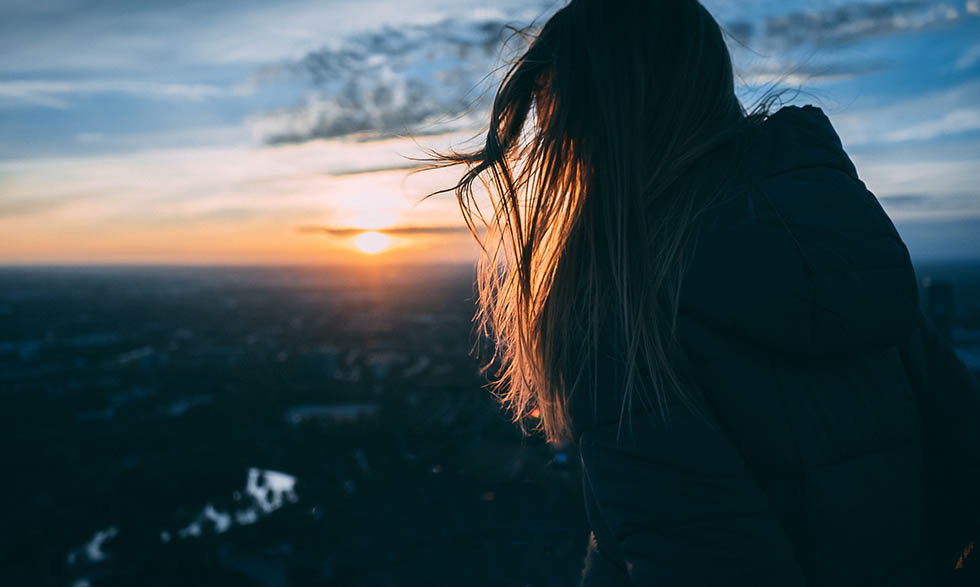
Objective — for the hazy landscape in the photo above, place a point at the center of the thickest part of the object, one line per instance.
(267, 426)
(278, 426)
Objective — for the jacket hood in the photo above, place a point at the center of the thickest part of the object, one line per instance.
(799, 256)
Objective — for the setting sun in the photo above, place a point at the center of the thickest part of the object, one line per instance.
(372, 242)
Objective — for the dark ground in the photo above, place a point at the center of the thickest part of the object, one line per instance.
(277, 426)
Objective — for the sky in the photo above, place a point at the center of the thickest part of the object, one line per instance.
(194, 132)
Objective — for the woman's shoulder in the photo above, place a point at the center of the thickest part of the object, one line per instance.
(801, 256)
(795, 138)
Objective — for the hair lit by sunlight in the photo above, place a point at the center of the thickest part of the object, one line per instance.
(587, 162)
(372, 242)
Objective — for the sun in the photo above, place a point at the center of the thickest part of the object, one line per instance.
(372, 242)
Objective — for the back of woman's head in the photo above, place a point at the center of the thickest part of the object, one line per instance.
(590, 130)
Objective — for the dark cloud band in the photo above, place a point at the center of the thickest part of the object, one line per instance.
(395, 230)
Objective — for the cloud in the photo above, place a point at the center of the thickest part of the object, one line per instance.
(969, 58)
(793, 48)
(955, 121)
(85, 35)
(396, 230)
(27, 206)
(932, 205)
(221, 204)
(924, 117)
(415, 111)
(853, 22)
(433, 76)
(427, 77)
(922, 179)
(344, 183)
(54, 94)
(780, 72)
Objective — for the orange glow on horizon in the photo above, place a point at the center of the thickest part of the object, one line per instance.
(159, 207)
(372, 242)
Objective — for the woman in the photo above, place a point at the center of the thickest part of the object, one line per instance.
(715, 309)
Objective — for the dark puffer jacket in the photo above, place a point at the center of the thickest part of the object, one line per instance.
(842, 443)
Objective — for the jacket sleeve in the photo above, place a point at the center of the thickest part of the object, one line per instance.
(949, 403)
(682, 507)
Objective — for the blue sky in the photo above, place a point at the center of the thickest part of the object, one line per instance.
(208, 132)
